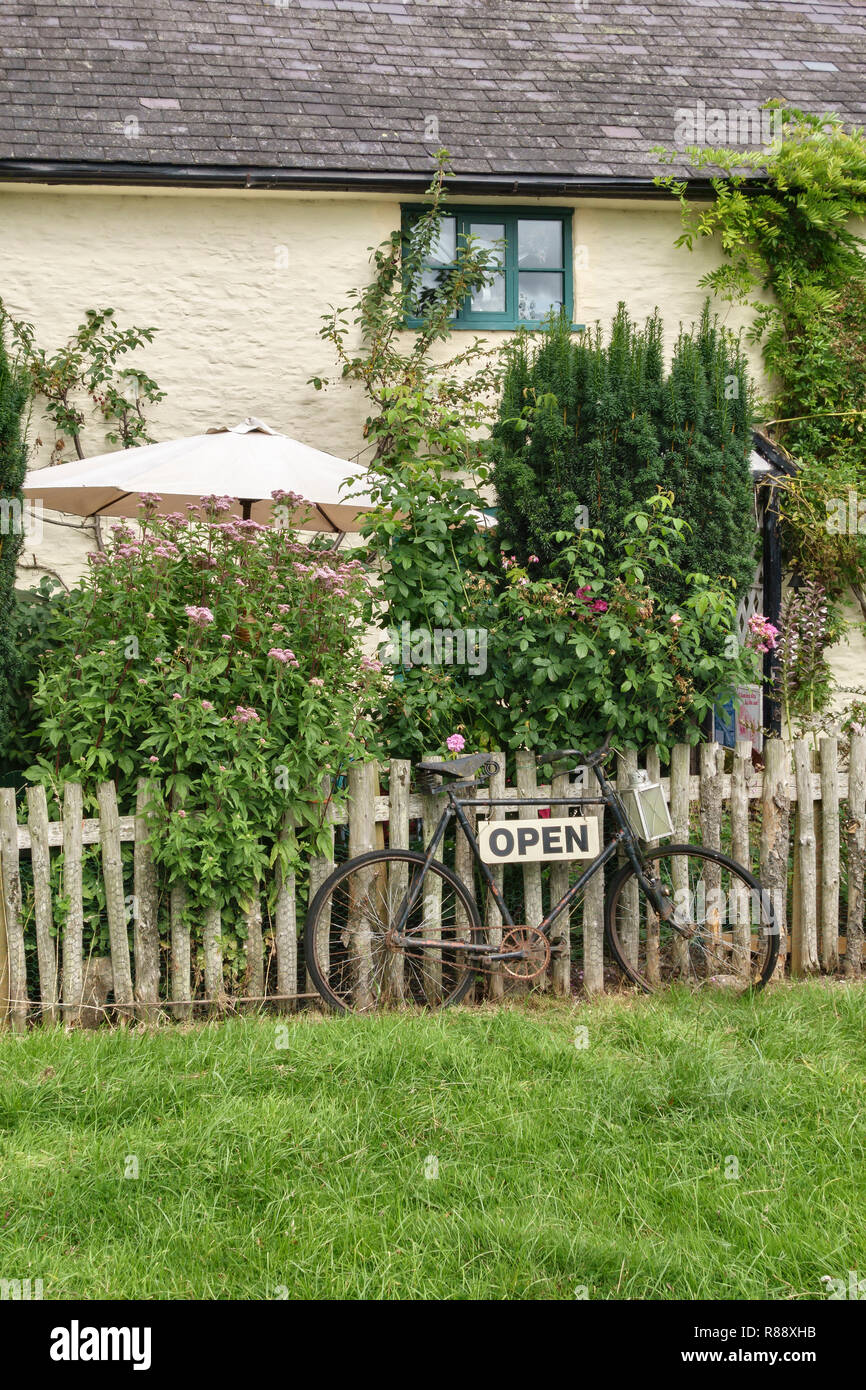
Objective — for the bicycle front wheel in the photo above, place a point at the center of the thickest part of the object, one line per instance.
(721, 931)
(354, 954)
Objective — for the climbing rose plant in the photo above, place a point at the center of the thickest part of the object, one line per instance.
(222, 660)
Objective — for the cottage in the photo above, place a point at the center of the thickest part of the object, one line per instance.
(220, 170)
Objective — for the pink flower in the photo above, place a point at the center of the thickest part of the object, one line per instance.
(675, 619)
(284, 655)
(206, 704)
(182, 815)
(176, 696)
(455, 743)
(153, 758)
(245, 715)
(199, 617)
(533, 560)
(762, 634)
(216, 505)
(316, 680)
(369, 663)
(599, 606)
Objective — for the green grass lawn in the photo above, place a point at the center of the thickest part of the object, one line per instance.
(300, 1169)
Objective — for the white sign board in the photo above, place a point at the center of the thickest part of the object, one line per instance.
(750, 715)
(539, 841)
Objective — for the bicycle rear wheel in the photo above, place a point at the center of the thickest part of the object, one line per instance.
(352, 954)
(722, 931)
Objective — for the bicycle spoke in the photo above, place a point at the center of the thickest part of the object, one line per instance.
(363, 952)
(719, 932)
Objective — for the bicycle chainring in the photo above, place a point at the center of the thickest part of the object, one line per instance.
(536, 948)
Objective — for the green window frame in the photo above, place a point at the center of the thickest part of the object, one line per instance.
(532, 272)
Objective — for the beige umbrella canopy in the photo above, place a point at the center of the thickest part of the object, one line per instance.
(248, 462)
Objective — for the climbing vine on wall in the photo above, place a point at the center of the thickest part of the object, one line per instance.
(783, 218)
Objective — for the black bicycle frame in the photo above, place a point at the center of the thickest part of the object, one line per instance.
(624, 838)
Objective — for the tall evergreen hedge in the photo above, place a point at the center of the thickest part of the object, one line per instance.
(13, 465)
(585, 423)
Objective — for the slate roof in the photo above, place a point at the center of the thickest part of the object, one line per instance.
(557, 89)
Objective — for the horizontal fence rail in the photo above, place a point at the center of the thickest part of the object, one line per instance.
(799, 822)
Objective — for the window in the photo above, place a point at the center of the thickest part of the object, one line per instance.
(534, 267)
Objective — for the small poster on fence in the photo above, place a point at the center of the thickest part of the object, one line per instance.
(740, 718)
(750, 715)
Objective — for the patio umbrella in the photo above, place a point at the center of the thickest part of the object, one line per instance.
(248, 462)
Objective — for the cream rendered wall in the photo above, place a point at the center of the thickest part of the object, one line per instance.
(236, 282)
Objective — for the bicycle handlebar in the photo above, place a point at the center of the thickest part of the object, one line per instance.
(587, 759)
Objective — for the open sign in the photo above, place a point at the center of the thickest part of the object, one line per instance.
(533, 842)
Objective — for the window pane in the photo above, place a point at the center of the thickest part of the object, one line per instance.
(539, 292)
(431, 281)
(491, 298)
(444, 248)
(539, 243)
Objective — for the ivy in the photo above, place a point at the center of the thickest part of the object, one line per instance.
(790, 253)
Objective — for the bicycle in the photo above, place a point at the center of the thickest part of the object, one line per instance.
(397, 927)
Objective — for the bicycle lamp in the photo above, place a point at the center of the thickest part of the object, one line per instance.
(646, 808)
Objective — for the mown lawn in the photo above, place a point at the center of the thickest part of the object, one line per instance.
(301, 1170)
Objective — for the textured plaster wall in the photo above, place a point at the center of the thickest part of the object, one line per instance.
(236, 283)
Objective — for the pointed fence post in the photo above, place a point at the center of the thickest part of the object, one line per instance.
(146, 897)
(710, 808)
(73, 928)
(286, 923)
(363, 782)
(829, 854)
(533, 907)
(10, 886)
(629, 927)
(37, 819)
(804, 933)
(775, 822)
(681, 757)
(493, 917)
(115, 900)
(399, 780)
(214, 985)
(320, 868)
(181, 955)
(741, 927)
(560, 936)
(856, 837)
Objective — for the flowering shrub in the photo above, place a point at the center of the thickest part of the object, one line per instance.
(600, 651)
(178, 668)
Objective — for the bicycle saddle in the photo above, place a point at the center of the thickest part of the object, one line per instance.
(456, 767)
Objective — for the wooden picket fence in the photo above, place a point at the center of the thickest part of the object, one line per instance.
(796, 822)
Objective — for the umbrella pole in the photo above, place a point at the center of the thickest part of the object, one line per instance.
(246, 508)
